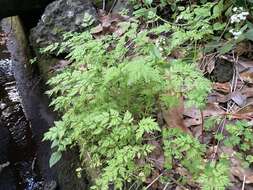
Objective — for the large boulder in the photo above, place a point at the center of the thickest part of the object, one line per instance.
(60, 17)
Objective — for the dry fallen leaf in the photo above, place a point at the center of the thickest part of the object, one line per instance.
(243, 47)
(248, 92)
(97, 29)
(152, 180)
(245, 64)
(208, 63)
(247, 76)
(156, 156)
(218, 97)
(210, 66)
(222, 87)
(109, 23)
(192, 117)
(238, 98)
(174, 117)
(246, 110)
(178, 53)
(213, 109)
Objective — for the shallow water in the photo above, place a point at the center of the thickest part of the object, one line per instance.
(19, 162)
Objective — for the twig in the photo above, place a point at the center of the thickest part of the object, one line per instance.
(132, 185)
(104, 5)
(154, 180)
(165, 187)
(202, 126)
(205, 61)
(243, 184)
(113, 5)
(221, 125)
(231, 103)
(165, 21)
(244, 107)
(176, 182)
(224, 30)
(235, 76)
(240, 116)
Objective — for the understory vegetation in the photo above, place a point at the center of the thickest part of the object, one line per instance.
(123, 96)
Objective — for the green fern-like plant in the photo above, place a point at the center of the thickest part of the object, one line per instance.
(215, 176)
(185, 149)
(107, 98)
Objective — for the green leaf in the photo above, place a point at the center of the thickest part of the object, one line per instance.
(249, 35)
(156, 53)
(151, 13)
(226, 48)
(54, 144)
(147, 125)
(55, 157)
(217, 10)
(219, 26)
(249, 158)
(148, 2)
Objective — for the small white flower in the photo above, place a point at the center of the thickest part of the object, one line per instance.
(235, 9)
(70, 14)
(235, 19)
(231, 31)
(241, 8)
(238, 33)
(245, 13)
(241, 17)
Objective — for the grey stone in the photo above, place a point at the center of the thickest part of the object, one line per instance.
(60, 17)
(51, 185)
(123, 5)
(222, 72)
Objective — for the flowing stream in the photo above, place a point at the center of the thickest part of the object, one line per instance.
(24, 118)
